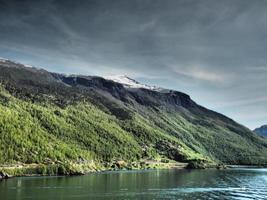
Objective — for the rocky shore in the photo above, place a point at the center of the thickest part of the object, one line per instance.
(15, 170)
(4, 175)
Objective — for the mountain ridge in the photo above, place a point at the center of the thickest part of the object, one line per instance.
(89, 118)
(131, 83)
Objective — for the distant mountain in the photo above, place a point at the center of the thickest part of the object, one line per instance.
(262, 130)
(89, 122)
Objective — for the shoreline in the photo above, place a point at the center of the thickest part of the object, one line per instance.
(38, 170)
(126, 170)
(32, 170)
(245, 166)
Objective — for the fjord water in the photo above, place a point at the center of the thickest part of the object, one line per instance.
(152, 184)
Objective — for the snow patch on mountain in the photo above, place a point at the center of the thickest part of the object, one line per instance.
(3, 60)
(130, 83)
(10, 63)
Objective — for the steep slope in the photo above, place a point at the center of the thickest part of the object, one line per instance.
(261, 130)
(85, 120)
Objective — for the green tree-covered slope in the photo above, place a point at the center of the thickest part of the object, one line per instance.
(48, 118)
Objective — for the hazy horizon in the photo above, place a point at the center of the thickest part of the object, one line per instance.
(212, 50)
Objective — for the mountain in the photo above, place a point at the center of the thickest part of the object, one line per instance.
(62, 123)
(261, 130)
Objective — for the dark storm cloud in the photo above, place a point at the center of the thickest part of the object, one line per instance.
(214, 50)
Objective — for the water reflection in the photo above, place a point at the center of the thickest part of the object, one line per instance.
(161, 184)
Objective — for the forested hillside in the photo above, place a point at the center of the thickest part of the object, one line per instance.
(91, 123)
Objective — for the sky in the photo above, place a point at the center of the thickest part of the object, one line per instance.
(213, 50)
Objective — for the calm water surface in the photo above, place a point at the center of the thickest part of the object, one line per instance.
(154, 184)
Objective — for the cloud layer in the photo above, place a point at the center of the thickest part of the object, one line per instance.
(213, 50)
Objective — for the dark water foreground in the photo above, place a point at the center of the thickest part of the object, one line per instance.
(157, 184)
